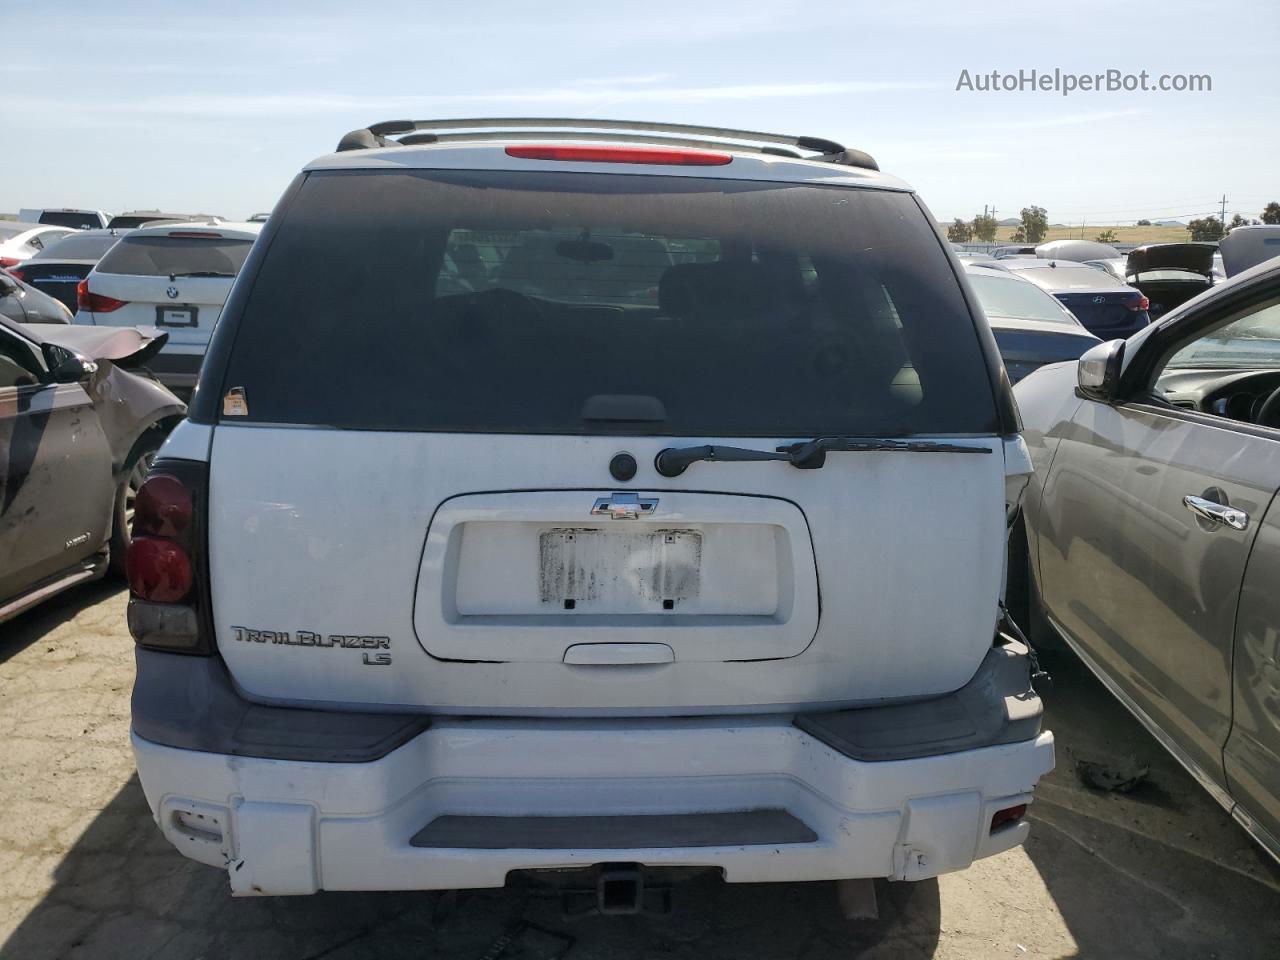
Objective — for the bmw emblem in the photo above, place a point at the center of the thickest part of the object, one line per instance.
(172, 293)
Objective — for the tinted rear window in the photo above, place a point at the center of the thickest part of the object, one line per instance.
(504, 302)
(81, 221)
(158, 255)
(76, 247)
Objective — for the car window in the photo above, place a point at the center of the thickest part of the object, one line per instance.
(78, 221)
(1069, 278)
(1250, 342)
(17, 366)
(488, 301)
(158, 255)
(1010, 297)
(75, 246)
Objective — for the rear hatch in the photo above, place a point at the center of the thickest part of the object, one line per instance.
(439, 510)
(177, 280)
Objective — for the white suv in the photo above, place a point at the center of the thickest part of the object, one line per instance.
(579, 496)
(175, 276)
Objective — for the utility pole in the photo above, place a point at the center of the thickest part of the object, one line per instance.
(1224, 209)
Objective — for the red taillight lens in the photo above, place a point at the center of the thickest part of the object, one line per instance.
(1008, 815)
(8, 261)
(159, 570)
(1142, 303)
(163, 507)
(96, 302)
(20, 274)
(651, 155)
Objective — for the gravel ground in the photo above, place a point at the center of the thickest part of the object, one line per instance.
(1161, 872)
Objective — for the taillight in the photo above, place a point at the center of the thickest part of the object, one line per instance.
(651, 155)
(159, 570)
(95, 302)
(1142, 303)
(19, 273)
(168, 586)
(1007, 815)
(7, 262)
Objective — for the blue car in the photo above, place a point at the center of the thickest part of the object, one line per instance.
(1107, 307)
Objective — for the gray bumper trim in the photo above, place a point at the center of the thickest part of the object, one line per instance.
(633, 832)
(997, 706)
(190, 703)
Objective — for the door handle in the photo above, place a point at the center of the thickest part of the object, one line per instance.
(1216, 512)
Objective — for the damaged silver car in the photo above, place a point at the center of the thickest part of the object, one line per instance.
(80, 421)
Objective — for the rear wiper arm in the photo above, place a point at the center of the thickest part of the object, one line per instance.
(673, 461)
(809, 455)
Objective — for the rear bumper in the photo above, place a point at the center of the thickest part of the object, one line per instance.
(758, 798)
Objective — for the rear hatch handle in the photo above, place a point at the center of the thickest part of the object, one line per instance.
(809, 455)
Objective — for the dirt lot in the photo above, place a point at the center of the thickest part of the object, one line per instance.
(1162, 872)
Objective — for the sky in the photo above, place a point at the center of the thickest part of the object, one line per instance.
(213, 108)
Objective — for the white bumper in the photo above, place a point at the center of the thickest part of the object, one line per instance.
(283, 827)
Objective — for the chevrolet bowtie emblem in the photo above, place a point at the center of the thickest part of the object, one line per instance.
(624, 506)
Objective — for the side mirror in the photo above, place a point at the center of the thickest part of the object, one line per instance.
(1098, 372)
(67, 366)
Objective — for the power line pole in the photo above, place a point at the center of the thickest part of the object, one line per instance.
(1224, 209)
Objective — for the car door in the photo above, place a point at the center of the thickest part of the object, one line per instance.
(56, 487)
(1134, 571)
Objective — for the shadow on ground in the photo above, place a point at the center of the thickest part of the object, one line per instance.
(123, 892)
(1161, 871)
(26, 628)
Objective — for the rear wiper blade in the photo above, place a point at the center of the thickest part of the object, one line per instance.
(201, 273)
(809, 455)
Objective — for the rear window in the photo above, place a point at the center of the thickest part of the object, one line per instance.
(129, 222)
(160, 255)
(62, 218)
(1069, 278)
(513, 302)
(76, 248)
(1010, 297)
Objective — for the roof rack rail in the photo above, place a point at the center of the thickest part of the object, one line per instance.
(473, 129)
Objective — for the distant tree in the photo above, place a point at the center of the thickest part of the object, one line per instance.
(1207, 228)
(984, 228)
(1019, 235)
(1143, 223)
(1271, 213)
(1106, 236)
(1035, 223)
(959, 232)
(1237, 221)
